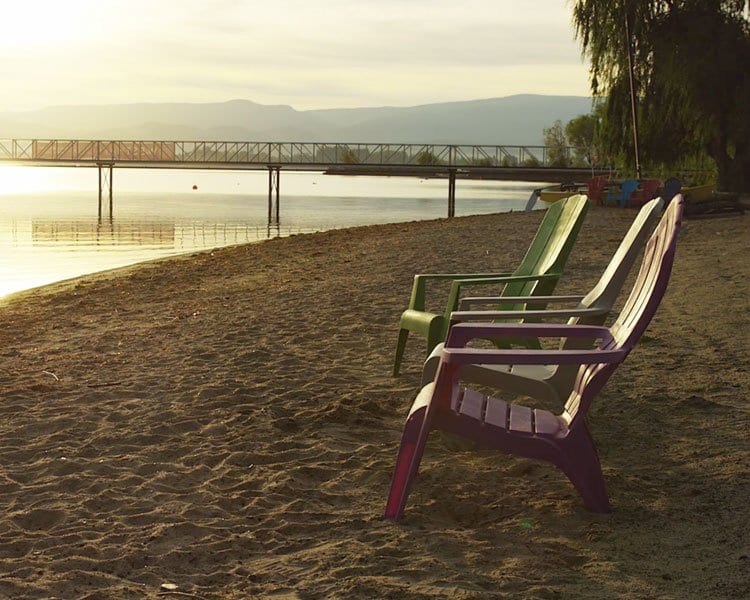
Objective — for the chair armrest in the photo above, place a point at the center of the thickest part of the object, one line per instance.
(462, 333)
(460, 283)
(469, 301)
(417, 300)
(490, 315)
(479, 356)
(460, 275)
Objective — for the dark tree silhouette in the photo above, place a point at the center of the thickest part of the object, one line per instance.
(690, 62)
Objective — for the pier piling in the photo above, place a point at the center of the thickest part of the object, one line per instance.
(105, 179)
(274, 177)
(451, 193)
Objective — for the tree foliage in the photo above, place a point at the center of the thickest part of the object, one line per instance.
(690, 59)
(581, 134)
(349, 157)
(427, 157)
(557, 145)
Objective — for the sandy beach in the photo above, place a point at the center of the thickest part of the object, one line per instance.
(226, 422)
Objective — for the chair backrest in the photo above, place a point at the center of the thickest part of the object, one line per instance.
(606, 290)
(672, 187)
(649, 187)
(622, 194)
(652, 279)
(640, 307)
(596, 187)
(541, 238)
(645, 192)
(628, 186)
(550, 248)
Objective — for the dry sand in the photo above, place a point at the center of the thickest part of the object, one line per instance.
(227, 422)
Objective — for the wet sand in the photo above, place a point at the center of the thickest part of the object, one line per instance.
(226, 422)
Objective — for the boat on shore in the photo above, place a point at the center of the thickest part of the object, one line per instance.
(698, 193)
(554, 193)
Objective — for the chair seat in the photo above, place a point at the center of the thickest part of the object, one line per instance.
(514, 419)
(529, 371)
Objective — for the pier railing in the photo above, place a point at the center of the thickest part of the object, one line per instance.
(285, 154)
(521, 163)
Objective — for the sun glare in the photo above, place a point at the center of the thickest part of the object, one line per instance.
(43, 23)
(20, 180)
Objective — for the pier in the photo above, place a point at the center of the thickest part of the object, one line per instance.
(449, 161)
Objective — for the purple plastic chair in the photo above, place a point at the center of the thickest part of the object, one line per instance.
(563, 440)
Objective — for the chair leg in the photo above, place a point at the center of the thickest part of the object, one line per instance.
(436, 333)
(407, 463)
(403, 334)
(582, 467)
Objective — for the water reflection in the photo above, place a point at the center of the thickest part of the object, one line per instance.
(51, 236)
(44, 250)
(102, 232)
(115, 232)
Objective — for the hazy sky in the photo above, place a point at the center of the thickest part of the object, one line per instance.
(307, 53)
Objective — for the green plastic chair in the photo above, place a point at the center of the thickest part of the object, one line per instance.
(536, 275)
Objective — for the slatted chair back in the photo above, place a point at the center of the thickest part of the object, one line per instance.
(605, 292)
(549, 250)
(638, 310)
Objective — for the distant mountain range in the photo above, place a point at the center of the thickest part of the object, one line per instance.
(513, 120)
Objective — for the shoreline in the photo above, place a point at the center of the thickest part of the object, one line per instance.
(113, 271)
(226, 421)
(186, 255)
(43, 243)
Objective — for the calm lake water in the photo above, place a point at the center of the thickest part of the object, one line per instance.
(50, 229)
